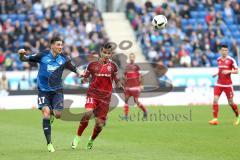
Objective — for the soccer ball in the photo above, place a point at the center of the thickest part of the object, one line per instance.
(159, 21)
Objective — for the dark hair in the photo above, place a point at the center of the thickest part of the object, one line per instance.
(54, 39)
(107, 46)
(223, 46)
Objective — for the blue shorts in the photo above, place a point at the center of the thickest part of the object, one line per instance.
(52, 99)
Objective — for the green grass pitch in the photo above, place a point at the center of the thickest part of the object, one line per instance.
(187, 136)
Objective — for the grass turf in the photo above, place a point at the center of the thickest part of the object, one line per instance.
(170, 133)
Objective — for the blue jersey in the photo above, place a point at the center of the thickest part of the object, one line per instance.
(50, 70)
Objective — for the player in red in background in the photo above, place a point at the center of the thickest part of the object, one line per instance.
(226, 66)
(132, 86)
(103, 72)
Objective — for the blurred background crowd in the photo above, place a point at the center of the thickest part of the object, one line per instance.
(194, 31)
(26, 23)
(193, 34)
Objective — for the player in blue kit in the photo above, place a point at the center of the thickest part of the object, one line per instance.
(50, 90)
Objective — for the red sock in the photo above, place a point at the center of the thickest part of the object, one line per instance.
(235, 109)
(142, 107)
(126, 109)
(82, 126)
(96, 132)
(215, 110)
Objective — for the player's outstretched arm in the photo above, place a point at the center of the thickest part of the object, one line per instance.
(72, 67)
(29, 57)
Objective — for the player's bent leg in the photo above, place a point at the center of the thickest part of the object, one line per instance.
(58, 114)
(126, 108)
(57, 104)
(141, 106)
(235, 110)
(47, 128)
(83, 124)
(46, 112)
(51, 117)
(97, 129)
(215, 106)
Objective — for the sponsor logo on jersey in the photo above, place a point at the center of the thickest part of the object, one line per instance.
(51, 68)
(96, 68)
(102, 75)
(60, 62)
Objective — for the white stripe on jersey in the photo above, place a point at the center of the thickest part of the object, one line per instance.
(222, 85)
(234, 62)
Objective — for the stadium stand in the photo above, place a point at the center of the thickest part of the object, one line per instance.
(26, 23)
(194, 31)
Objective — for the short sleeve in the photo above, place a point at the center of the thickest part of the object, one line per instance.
(87, 72)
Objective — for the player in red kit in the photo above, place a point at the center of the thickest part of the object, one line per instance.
(226, 66)
(132, 86)
(103, 72)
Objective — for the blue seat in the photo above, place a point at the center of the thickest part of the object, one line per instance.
(21, 17)
(184, 28)
(214, 63)
(233, 28)
(201, 7)
(217, 7)
(205, 27)
(236, 34)
(192, 21)
(210, 55)
(225, 31)
(223, 27)
(194, 14)
(21, 23)
(202, 14)
(13, 17)
(230, 54)
(201, 21)
(229, 21)
(238, 41)
(184, 22)
(40, 17)
(4, 17)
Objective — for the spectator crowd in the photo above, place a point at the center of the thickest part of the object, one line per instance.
(194, 32)
(26, 23)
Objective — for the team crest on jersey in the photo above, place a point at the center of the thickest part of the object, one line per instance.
(96, 68)
(109, 68)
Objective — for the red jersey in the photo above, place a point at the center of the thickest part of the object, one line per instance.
(132, 76)
(228, 63)
(102, 76)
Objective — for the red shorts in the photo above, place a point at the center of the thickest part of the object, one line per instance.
(132, 91)
(100, 107)
(227, 90)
